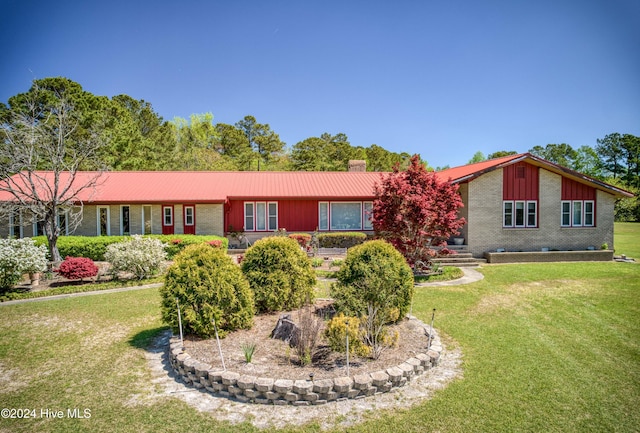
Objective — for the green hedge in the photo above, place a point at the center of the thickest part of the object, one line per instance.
(341, 239)
(94, 247)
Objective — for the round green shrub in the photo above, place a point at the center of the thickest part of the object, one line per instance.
(376, 275)
(208, 285)
(279, 273)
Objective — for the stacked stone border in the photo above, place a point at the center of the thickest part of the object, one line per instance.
(284, 391)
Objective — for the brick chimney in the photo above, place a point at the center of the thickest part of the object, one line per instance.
(358, 165)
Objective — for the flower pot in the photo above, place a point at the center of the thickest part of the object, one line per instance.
(35, 278)
(458, 241)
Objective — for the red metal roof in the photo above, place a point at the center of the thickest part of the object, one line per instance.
(217, 187)
(220, 186)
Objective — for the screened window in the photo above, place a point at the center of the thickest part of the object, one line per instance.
(565, 220)
(588, 213)
(577, 213)
(532, 214)
(261, 217)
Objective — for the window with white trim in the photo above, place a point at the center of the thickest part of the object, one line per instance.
(62, 222)
(125, 220)
(346, 216)
(577, 213)
(519, 213)
(188, 216)
(15, 225)
(167, 215)
(261, 216)
(323, 216)
(272, 216)
(367, 214)
(103, 221)
(248, 217)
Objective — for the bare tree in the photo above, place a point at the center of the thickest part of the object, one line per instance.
(43, 151)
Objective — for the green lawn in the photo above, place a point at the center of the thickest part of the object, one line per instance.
(546, 347)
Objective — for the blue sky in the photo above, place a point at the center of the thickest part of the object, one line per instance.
(440, 78)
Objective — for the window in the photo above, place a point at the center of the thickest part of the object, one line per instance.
(323, 217)
(577, 213)
(188, 216)
(507, 214)
(263, 214)
(588, 213)
(565, 220)
(273, 216)
(146, 219)
(261, 217)
(532, 214)
(167, 212)
(125, 220)
(520, 213)
(62, 223)
(248, 217)
(103, 221)
(15, 225)
(367, 213)
(346, 216)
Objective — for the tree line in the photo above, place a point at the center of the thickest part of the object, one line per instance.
(137, 138)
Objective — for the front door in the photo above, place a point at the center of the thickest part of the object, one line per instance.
(167, 220)
(189, 219)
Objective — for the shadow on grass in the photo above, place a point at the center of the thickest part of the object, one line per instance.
(146, 339)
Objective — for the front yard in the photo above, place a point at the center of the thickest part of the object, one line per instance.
(545, 347)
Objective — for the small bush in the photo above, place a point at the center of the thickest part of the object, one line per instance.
(19, 256)
(77, 268)
(177, 243)
(303, 239)
(208, 285)
(375, 283)
(341, 239)
(316, 262)
(336, 334)
(279, 274)
(143, 257)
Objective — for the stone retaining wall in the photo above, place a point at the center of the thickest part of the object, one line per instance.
(283, 391)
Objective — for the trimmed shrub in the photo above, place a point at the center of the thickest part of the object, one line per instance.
(341, 239)
(143, 257)
(177, 243)
(279, 274)
(20, 256)
(375, 283)
(77, 268)
(208, 285)
(303, 239)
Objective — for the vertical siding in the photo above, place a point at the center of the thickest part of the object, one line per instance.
(572, 190)
(517, 187)
(298, 215)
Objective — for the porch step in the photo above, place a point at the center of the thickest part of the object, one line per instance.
(460, 260)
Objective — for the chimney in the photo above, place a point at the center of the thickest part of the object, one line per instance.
(357, 165)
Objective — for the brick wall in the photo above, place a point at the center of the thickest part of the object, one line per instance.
(485, 231)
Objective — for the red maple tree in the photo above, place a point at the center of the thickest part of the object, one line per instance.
(415, 211)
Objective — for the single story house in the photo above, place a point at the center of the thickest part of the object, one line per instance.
(518, 202)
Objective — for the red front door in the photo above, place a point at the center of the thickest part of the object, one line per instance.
(189, 218)
(167, 220)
